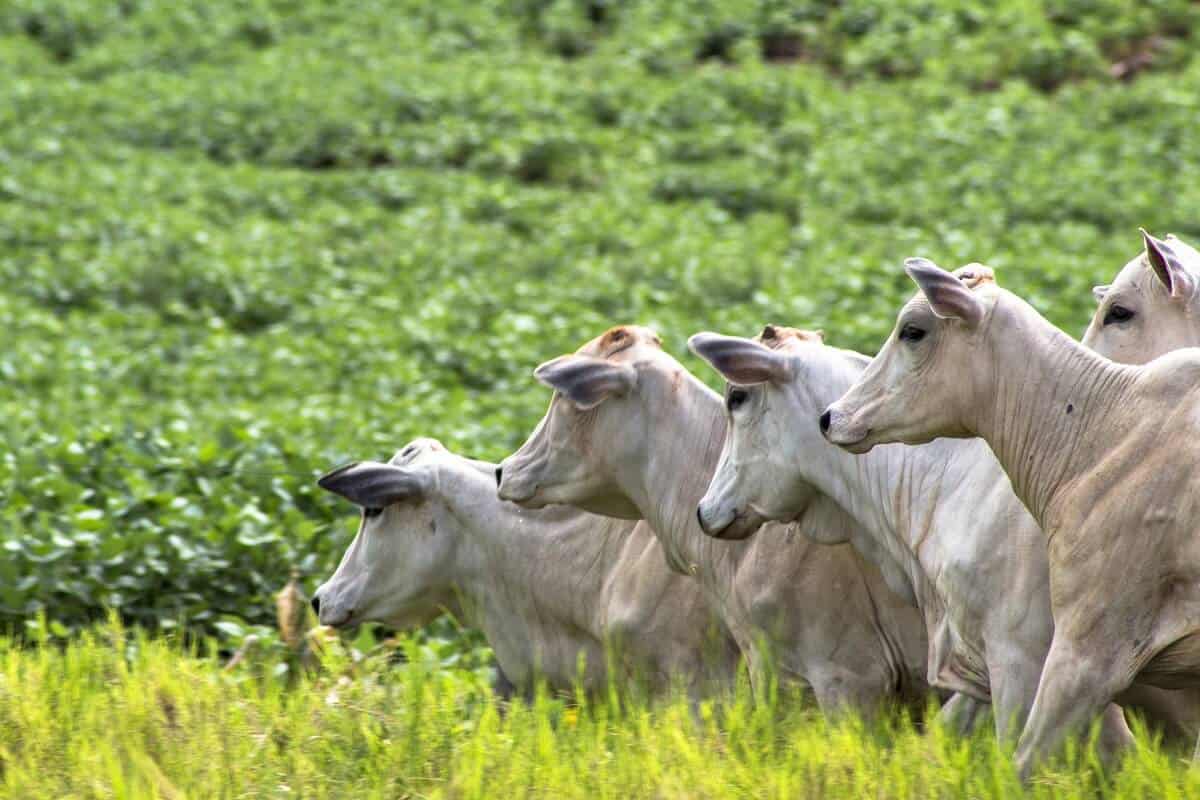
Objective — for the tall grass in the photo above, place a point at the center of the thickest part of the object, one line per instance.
(116, 714)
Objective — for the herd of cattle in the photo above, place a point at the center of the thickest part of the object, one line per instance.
(1029, 542)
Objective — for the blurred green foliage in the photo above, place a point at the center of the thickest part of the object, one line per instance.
(241, 243)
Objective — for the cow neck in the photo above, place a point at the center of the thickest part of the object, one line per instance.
(879, 490)
(687, 431)
(1046, 408)
(551, 564)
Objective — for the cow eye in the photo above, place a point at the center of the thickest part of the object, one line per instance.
(1118, 314)
(911, 333)
(736, 398)
(371, 513)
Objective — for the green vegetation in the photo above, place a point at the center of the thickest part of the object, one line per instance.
(124, 716)
(243, 242)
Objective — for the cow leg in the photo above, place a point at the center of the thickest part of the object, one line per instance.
(1014, 685)
(1175, 713)
(502, 687)
(1075, 688)
(759, 672)
(1115, 736)
(839, 691)
(963, 713)
(836, 698)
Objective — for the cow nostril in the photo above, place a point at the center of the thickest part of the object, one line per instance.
(825, 421)
(499, 475)
(316, 605)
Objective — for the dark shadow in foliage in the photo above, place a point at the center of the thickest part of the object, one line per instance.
(187, 294)
(782, 47)
(260, 33)
(546, 160)
(717, 45)
(740, 198)
(607, 106)
(513, 218)
(61, 34)
(330, 145)
(568, 29)
(1156, 52)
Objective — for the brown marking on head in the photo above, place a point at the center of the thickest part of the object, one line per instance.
(618, 338)
(777, 336)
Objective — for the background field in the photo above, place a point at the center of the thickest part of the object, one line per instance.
(242, 242)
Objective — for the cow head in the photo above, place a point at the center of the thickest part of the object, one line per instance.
(916, 388)
(1152, 307)
(593, 428)
(759, 475)
(399, 568)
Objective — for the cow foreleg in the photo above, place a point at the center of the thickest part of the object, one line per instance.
(1075, 688)
(1014, 679)
(963, 713)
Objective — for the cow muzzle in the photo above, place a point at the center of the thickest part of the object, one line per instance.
(514, 485)
(844, 430)
(730, 525)
(335, 608)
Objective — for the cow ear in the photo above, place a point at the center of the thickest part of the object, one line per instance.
(743, 362)
(947, 295)
(1100, 292)
(586, 381)
(371, 484)
(1168, 266)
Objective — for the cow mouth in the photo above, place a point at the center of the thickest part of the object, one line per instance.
(532, 502)
(512, 488)
(742, 525)
(343, 619)
(524, 496)
(847, 440)
(858, 446)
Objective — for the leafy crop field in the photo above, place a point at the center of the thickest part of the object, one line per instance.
(243, 242)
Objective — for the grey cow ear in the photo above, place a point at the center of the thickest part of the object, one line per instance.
(743, 362)
(1167, 266)
(371, 484)
(947, 295)
(586, 381)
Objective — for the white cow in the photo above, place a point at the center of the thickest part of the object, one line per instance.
(632, 434)
(1104, 455)
(549, 589)
(944, 513)
(1152, 307)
